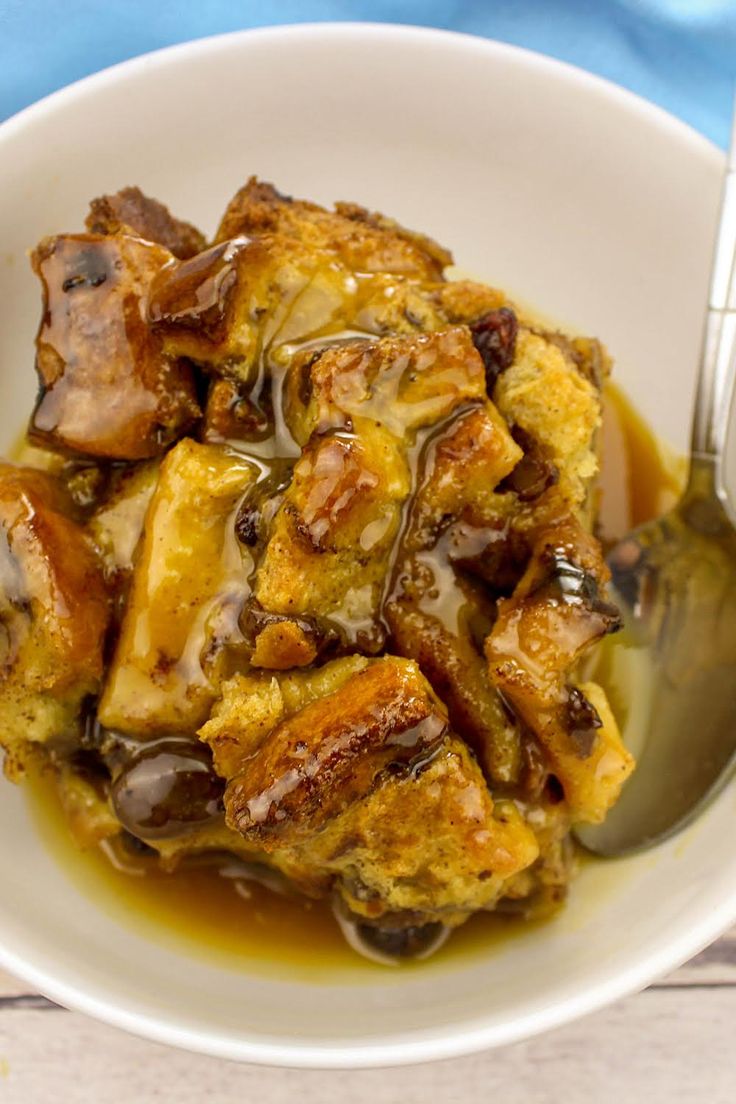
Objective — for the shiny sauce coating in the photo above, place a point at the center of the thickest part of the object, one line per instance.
(214, 907)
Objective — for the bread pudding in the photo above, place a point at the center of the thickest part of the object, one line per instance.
(302, 568)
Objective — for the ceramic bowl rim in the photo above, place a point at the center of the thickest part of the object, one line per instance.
(461, 1037)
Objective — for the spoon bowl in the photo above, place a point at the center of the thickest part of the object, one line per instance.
(675, 582)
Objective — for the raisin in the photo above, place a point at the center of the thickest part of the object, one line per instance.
(494, 336)
(305, 386)
(90, 270)
(255, 619)
(553, 790)
(534, 473)
(134, 845)
(569, 583)
(168, 788)
(401, 942)
(246, 524)
(582, 721)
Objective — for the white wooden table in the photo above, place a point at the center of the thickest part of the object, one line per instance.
(675, 1043)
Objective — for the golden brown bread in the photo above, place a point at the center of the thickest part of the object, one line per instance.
(188, 588)
(449, 659)
(365, 242)
(251, 705)
(320, 760)
(435, 844)
(368, 583)
(107, 388)
(338, 772)
(131, 212)
(401, 383)
(461, 467)
(328, 546)
(54, 611)
(546, 395)
(554, 615)
(435, 614)
(227, 307)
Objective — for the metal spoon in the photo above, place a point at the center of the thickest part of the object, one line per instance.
(675, 582)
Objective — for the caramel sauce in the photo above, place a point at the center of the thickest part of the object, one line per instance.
(214, 911)
(642, 478)
(167, 644)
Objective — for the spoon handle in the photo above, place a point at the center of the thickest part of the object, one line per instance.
(718, 355)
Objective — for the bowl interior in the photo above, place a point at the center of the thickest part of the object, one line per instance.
(582, 200)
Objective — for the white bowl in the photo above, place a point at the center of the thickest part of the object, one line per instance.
(586, 201)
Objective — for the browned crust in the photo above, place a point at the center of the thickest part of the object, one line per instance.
(130, 211)
(59, 589)
(400, 382)
(319, 761)
(557, 612)
(229, 415)
(281, 645)
(459, 676)
(366, 242)
(107, 388)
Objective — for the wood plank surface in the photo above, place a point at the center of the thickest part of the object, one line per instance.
(672, 1044)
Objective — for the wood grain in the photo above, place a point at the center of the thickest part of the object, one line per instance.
(664, 1045)
(672, 1044)
(715, 966)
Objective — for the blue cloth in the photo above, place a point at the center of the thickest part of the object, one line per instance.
(679, 53)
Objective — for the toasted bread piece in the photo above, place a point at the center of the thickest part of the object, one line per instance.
(365, 242)
(451, 662)
(228, 307)
(457, 517)
(327, 550)
(319, 760)
(556, 613)
(435, 843)
(188, 588)
(282, 644)
(402, 383)
(131, 212)
(107, 387)
(467, 301)
(53, 615)
(589, 356)
(544, 394)
(235, 732)
(460, 469)
(339, 771)
(117, 523)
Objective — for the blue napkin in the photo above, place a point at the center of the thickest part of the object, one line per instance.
(679, 53)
